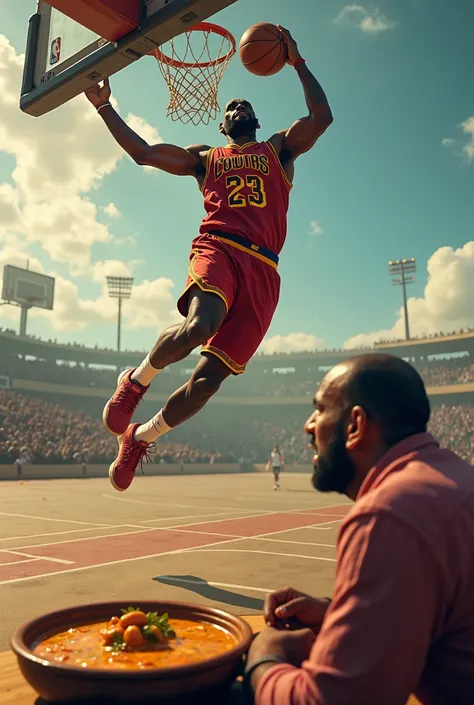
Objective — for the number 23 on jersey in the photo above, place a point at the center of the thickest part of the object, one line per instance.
(248, 191)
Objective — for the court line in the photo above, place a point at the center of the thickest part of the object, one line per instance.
(102, 565)
(195, 516)
(324, 524)
(141, 530)
(188, 581)
(184, 529)
(40, 558)
(63, 521)
(175, 552)
(59, 533)
(27, 560)
(302, 543)
(181, 506)
(320, 514)
(267, 553)
(232, 509)
(259, 537)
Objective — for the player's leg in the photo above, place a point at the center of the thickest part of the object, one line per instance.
(205, 314)
(206, 379)
(276, 475)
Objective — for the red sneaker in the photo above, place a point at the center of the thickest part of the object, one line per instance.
(120, 408)
(131, 452)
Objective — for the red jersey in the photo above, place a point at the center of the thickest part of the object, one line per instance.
(246, 192)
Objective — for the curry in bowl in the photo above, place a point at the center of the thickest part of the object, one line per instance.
(136, 640)
(162, 652)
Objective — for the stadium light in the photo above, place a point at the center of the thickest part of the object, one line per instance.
(402, 270)
(120, 288)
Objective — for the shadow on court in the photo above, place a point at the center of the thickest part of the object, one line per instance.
(202, 587)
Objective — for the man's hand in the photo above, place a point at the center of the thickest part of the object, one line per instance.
(292, 647)
(289, 605)
(99, 95)
(292, 51)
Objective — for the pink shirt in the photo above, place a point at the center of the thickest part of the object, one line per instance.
(402, 616)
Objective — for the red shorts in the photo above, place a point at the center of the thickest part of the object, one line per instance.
(250, 289)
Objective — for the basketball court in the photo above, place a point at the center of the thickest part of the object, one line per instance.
(223, 540)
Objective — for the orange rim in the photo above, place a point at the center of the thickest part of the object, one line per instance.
(200, 27)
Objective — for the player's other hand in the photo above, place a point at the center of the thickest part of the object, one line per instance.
(292, 51)
(98, 95)
(294, 607)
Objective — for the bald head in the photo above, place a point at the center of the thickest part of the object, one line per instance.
(390, 391)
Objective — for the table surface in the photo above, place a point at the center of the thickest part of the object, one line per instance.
(14, 690)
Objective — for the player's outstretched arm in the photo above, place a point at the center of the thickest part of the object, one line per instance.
(170, 158)
(303, 134)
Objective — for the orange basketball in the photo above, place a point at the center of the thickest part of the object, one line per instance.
(262, 49)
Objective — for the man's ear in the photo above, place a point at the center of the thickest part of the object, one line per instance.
(356, 427)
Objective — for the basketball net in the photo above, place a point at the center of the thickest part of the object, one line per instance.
(192, 67)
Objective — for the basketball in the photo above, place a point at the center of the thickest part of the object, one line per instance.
(262, 49)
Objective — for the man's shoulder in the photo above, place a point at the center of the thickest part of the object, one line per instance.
(426, 494)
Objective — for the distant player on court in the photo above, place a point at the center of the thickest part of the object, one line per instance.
(233, 286)
(277, 461)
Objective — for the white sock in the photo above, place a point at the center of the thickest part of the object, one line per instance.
(145, 372)
(152, 429)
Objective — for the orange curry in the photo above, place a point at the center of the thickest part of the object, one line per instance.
(136, 641)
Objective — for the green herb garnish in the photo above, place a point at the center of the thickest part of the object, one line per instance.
(161, 623)
(130, 609)
(117, 643)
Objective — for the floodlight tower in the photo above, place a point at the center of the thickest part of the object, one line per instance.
(400, 269)
(120, 288)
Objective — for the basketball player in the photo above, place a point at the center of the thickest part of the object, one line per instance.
(232, 288)
(277, 461)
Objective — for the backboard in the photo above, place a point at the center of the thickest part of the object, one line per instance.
(63, 58)
(27, 288)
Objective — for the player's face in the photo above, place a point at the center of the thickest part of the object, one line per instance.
(333, 468)
(239, 118)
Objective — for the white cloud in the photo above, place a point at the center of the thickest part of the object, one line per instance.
(446, 304)
(369, 21)
(143, 128)
(468, 128)
(152, 305)
(60, 160)
(112, 211)
(111, 268)
(67, 229)
(468, 148)
(293, 342)
(146, 131)
(316, 229)
(10, 216)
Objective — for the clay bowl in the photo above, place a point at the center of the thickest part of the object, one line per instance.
(58, 682)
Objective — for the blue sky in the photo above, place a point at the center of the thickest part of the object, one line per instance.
(380, 183)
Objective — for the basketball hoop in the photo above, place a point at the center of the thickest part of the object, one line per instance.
(191, 72)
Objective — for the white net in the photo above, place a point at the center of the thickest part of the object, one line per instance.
(192, 65)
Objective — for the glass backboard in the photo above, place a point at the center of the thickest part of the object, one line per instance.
(63, 58)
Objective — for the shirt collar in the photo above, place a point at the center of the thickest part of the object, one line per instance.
(395, 459)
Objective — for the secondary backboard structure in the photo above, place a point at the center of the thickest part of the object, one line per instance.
(63, 58)
(26, 288)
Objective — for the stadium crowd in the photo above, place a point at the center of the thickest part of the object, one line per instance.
(43, 432)
(296, 381)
